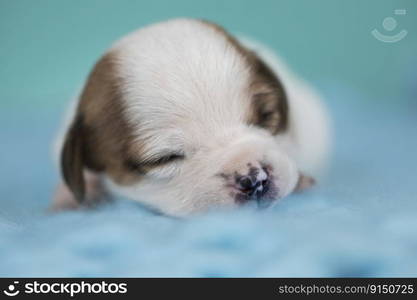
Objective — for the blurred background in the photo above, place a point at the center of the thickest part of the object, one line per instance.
(48, 47)
(360, 222)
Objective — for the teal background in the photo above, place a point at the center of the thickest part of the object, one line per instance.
(48, 47)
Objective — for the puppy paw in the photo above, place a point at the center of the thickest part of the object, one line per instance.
(63, 199)
(304, 182)
(96, 194)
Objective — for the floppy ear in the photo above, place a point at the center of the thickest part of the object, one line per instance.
(72, 162)
(304, 182)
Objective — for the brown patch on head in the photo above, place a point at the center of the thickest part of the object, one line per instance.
(269, 101)
(100, 137)
(269, 107)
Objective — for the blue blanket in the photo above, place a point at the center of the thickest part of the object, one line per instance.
(360, 221)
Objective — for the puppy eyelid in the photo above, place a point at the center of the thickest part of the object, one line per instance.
(137, 165)
(164, 159)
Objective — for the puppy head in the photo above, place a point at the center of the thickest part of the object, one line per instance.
(182, 127)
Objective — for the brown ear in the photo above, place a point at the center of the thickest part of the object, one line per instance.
(304, 182)
(72, 162)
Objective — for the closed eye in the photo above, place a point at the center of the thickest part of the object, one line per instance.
(157, 161)
(165, 159)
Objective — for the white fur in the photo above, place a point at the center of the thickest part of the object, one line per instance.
(187, 90)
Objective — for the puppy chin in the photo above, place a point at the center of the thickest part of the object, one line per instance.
(172, 201)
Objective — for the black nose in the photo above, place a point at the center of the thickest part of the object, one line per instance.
(253, 187)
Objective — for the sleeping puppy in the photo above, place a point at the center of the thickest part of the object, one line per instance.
(183, 117)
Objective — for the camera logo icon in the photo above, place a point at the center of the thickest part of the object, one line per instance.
(11, 289)
(389, 24)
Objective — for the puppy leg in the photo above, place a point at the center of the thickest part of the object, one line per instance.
(64, 199)
(304, 182)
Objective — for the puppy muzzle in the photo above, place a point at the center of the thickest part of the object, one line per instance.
(256, 186)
